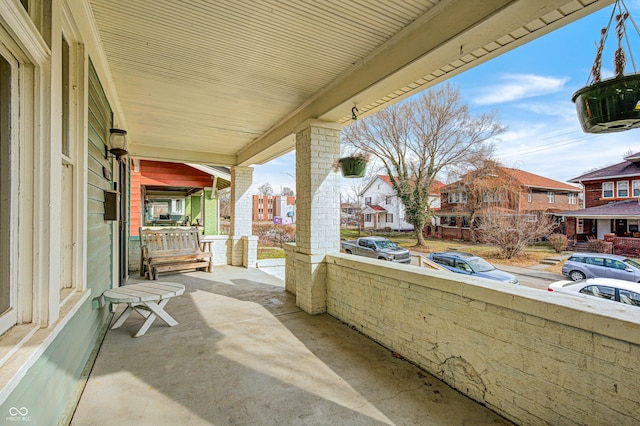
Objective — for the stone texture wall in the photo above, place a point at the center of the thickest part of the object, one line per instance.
(532, 356)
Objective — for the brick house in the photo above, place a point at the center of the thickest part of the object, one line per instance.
(512, 191)
(382, 207)
(266, 207)
(611, 202)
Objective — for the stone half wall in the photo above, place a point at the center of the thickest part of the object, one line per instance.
(531, 356)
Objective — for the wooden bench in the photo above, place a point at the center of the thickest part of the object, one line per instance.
(172, 249)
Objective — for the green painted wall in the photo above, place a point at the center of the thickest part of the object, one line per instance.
(196, 208)
(211, 214)
(51, 387)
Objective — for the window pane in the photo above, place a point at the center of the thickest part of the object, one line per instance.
(65, 97)
(5, 189)
(630, 297)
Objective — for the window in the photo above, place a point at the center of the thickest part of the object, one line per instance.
(463, 266)
(457, 197)
(580, 226)
(598, 261)
(635, 188)
(607, 190)
(573, 198)
(367, 217)
(529, 195)
(630, 297)
(623, 189)
(492, 197)
(443, 260)
(600, 291)
(388, 199)
(8, 285)
(465, 222)
(164, 208)
(68, 195)
(551, 197)
(389, 217)
(177, 206)
(615, 264)
(448, 220)
(367, 201)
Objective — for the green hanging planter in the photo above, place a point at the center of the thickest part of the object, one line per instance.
(353, 167)
(609, 106)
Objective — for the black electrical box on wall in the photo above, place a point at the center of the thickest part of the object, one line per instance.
(110, 204)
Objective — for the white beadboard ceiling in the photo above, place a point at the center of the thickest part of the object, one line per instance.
(226, 82)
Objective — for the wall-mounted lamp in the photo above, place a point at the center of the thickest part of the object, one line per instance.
(118, 143)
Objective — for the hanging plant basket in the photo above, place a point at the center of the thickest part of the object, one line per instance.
(609, 106)
(353, 167)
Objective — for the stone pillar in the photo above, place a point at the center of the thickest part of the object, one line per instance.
(241, 251)
(317, 210)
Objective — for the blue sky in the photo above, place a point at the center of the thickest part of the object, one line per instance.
(531, 88)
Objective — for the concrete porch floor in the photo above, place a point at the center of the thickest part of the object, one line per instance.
(244, 354)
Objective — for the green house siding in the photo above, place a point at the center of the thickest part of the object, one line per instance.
(57, 374)
(211, 213)
(100, 238)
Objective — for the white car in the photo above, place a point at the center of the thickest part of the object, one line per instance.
(612, 289)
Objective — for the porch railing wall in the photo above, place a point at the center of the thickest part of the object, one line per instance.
(532, 356)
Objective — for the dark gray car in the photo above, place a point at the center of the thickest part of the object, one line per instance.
(599, 265)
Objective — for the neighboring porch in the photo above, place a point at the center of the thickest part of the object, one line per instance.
(244, 353)
(617, 223)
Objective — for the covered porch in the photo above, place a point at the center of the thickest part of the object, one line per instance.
(221, 84)
(244, 353)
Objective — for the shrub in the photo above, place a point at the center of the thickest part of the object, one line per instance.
(559, 242)
(599, 246)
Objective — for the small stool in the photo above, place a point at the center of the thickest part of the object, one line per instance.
(143, 298)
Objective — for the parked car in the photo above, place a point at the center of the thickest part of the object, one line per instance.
(469, 264)
(377, 248)
(605, 288)
(599, 265)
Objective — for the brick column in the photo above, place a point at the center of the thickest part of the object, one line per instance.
(317, 211)
(242, 251)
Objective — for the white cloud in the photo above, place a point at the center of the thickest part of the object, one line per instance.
(519, 86)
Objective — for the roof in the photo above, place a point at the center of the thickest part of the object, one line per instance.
(375, 208)
(624, 169)
(536, 181)
(435, 186)
(528, 179)
(626, 208)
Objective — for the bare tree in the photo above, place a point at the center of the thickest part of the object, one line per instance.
(225, 205)
(420, 138)
(487, 187)
(512, 233)
(265, 189)
(286, 191)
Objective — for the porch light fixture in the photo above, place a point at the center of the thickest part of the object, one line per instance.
(118, 143)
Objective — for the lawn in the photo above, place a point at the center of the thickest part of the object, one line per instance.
(531, 256)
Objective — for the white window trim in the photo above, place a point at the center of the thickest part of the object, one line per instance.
(14, 166)
(551, 197)
(635, 185)
(529, 195)
(612, 189)
(620, 186)
(572, 198)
